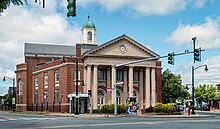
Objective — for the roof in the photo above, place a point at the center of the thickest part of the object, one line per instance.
(153, 54)
(89, 24)
(46, 49)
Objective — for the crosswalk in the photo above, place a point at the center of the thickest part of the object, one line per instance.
(30, 119)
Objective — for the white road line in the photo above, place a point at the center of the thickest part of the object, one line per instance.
(2, 120)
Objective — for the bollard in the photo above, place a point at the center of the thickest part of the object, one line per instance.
(188, 108)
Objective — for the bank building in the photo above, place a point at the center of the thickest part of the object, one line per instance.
(47, 80)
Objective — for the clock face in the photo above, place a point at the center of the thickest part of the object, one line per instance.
(122, 48)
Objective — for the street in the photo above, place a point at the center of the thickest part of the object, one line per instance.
(18, 121)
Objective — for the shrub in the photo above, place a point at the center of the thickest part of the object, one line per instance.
(121, 108)
(107, 108)
(166, 108)
(96, 111)
(158, 107)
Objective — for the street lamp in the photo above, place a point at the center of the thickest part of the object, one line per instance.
(77, 89)
(206, 69)
(13, 81)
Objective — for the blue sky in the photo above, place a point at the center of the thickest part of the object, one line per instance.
(162, 25)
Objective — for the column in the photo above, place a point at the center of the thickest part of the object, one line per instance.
(125, 86)
(88, 85)
(140, 97)
(112, 93)
(109, 93)
(95, 87)
(153, 88)
(88, 78)
(147, 88)
(85, 81)
(130, 93)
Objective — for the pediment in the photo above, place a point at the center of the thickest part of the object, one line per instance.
(121, 47)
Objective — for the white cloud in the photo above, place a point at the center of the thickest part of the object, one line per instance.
(32, 23)
(208, 34)
(202, 77)
(199, 3)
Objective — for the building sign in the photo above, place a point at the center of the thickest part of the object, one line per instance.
(132, 105)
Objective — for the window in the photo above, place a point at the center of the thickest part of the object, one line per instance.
(57, 76)
(45, 79)
(118, 97)
(119, 74)
(101, 99)
(135, 75)
(36, 97)
(89, 35)
(36, 80)
(45, 96)
(56, 95)
(101, 74)
(20, 92)
(78, 75)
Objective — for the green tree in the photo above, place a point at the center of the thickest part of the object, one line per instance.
(172, 88)
(205, 92)
(4, 4)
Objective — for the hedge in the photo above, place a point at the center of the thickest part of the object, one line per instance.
(166, 108)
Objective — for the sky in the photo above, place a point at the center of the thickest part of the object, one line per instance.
(164, 26)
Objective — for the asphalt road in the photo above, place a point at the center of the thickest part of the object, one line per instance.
(21, 121)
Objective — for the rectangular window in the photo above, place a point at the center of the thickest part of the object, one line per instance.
(36, 97)
(56, 95)
(45, 79)
(36, 80)
(75, 75)
(57, 77)
(101, 74)
(45, 96)
(119, 74)
(135, 75)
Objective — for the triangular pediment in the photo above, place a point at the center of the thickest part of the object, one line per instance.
(121, 47)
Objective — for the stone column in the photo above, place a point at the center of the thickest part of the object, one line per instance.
(95, 87)
(112, 93)
(131, 89)
(88, 85)
(153, 87)
(125, 86)
(88, 78)
(85, 81)
(147, 88)
(140, 97)
(108, 95)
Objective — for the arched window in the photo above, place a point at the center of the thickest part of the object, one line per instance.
(118, 97)
(20, 92)
(101, 99)
(89, 35)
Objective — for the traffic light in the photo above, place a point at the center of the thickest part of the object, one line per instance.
(71, 8)
(171, 58)
(197, 54)
(90, 93)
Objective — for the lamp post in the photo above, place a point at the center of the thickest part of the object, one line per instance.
(206, 69)
(13, 81)
(77, 89)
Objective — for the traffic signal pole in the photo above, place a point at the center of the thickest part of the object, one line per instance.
(138, 61)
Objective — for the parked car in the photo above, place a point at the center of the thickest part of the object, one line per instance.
(179, 107)
(204, 108)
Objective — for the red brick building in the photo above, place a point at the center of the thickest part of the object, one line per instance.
(47, 79)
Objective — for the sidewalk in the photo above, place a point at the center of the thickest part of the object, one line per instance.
(126, 115)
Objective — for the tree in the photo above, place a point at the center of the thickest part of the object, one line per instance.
(205, 92)
(4, 4)
(172, 88)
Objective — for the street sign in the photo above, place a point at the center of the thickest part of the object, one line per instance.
(119, 83)
(110, 89)
(13, 101)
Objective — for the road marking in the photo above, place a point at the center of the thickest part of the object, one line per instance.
(130, 123)
(2, 120)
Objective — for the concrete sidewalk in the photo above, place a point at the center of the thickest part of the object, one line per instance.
(125, 115)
